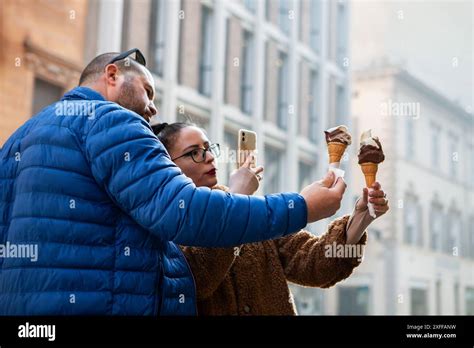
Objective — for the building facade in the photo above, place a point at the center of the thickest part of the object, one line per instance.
(420, 258)
(42, 56)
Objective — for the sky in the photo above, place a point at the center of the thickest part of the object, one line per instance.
(433, 39)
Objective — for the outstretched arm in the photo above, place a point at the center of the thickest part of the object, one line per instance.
(311, 260)
(129, 162)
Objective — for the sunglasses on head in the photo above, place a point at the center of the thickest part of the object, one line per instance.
(139, 57)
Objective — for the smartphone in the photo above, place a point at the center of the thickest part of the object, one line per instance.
(247, 144)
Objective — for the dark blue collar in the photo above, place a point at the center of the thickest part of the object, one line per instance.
(82, 93)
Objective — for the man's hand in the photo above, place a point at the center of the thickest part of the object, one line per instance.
(322, 199)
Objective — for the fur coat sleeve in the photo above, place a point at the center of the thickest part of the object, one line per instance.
(320, 261)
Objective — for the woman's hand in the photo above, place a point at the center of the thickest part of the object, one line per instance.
(360, 218)
(246, 180)
(376, 196)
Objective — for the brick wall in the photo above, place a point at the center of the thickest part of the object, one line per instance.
(56, 31)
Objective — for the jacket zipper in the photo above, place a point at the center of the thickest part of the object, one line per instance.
(194, 280)
(159, 300)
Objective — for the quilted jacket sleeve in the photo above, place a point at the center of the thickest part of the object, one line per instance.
(129, 162)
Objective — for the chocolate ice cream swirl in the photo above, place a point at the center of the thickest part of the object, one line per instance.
(338, 135)
(370, 153)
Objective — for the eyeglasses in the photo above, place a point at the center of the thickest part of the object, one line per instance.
(199, 155)
(139, 57)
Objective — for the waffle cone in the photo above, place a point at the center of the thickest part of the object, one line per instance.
(335, 151)
(370, 171)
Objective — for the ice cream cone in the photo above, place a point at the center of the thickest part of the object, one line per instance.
(336, 150)
(370, 171)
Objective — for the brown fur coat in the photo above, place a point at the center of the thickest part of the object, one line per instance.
(253, 281)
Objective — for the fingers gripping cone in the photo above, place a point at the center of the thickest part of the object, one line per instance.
(335, 151)
(370, 172)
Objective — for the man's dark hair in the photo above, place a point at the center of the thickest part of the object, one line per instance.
(97, 65)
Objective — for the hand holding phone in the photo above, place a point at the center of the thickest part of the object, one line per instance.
(247, 144)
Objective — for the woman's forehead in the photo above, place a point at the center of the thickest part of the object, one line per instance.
(192, 135)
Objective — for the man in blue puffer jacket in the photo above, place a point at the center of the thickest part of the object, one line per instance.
(87, 184)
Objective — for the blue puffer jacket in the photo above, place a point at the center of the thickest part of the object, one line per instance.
(88, 183)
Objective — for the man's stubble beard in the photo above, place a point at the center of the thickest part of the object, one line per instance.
(127, 97)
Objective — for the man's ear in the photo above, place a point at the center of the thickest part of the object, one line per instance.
(111, 74)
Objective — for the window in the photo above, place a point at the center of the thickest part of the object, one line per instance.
(228, 60)
(332, 121)
(308, 98)
(340, 107)
(436, 226)
(308, 301)
(201, 119)
(228, 159)
(306, 176)
(157, 36)
(246, 77)
(268, 9)
(250, 5)
(341, 22)
(265, 82)
(438, 297)
(315, 25)
(205, 67)
(435, 146)
(45, 93)
(353, 300)
(410, 138)
(418, 301)
(283, 18)
(453, 157)
(453, 233)
(303, 98)
(337, 102)
(302, 22)
(466, 244)
(313, 107)
(125, 25)
(282, 100)
(456, 299)
(273, 161)
(470, 230)
(471, 165)
(469, 301)
(412, 221)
